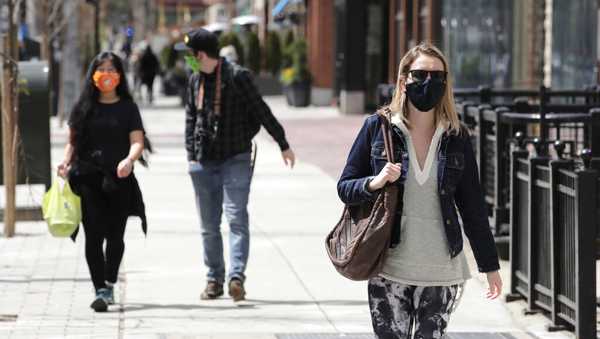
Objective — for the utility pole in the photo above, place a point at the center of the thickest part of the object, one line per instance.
(10, 135)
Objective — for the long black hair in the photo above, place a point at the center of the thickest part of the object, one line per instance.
(87, 104)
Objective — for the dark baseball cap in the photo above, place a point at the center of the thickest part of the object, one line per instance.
(199, 40)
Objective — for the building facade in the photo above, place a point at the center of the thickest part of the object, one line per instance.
(355, 45)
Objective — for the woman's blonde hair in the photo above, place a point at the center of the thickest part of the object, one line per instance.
(445, 111)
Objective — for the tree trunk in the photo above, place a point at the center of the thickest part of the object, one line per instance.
(7, 141)
(10, 129)
(45, 48)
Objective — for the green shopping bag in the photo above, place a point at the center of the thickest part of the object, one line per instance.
(62, 209)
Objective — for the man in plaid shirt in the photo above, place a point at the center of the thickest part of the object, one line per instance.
(224, 111)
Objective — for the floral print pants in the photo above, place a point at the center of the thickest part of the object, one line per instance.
(398, 309)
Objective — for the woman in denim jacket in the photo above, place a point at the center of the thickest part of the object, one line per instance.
(425, 268)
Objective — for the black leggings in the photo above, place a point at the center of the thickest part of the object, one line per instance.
(149, 82)
(104, 218)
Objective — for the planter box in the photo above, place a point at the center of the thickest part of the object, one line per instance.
(267, 84)
(297, 94)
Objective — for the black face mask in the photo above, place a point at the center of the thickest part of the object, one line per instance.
(425, 95)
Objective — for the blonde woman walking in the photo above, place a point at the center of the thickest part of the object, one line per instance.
(425, 269)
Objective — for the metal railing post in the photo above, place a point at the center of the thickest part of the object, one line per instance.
(555, 166)
(585, 263)
(519, 153)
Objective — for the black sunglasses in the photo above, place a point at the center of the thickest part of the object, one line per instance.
(421, 75)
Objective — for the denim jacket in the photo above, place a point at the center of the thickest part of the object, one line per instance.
(458, 187)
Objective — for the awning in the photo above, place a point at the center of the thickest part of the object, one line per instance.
(216, 27)
(279, 7)
(246, 20)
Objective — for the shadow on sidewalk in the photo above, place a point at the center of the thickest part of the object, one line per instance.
(450, 335)
(308, 302)
(249, 304)
(149, 108)
(27, 235)
(136, 307)
(44, 280)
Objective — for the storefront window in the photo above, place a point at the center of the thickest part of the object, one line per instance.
(244, 7)
(574, 25)
(476, 37)
(377, 49)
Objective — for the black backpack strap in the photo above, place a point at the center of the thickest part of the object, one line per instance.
(193, 84)
(233, 71)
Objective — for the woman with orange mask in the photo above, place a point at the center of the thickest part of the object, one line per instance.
(106, 137)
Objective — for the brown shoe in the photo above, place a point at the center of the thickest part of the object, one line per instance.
(236, 290)
(213, 290)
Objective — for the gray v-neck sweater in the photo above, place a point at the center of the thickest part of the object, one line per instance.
(422, 258)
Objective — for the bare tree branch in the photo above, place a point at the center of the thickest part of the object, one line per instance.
(17, 4)
(58, 27)
(8, 58)
(56, 5)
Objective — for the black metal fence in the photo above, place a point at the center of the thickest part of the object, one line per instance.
(544, 115)
(553, 227)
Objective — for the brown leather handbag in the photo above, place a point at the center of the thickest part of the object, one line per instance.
(358, 244)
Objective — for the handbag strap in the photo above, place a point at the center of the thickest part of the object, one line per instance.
(387, 137)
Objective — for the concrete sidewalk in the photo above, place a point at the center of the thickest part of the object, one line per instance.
(293, 290)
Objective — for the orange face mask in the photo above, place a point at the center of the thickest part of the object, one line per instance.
(106, 81)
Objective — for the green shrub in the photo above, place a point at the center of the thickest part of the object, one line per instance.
(230, 38)
(298, 70)
(253, 56)
(273, 53)
(288, 41)
(168, 57)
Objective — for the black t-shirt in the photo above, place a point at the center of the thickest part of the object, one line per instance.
(108, 132)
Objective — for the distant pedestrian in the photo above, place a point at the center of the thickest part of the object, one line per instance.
(106, 137)
(148, 68)
(425, 269)
(224, 111)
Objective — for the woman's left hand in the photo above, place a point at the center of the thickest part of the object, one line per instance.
(495, 285)
(124, 168)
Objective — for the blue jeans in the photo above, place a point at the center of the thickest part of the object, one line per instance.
(218, 186)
